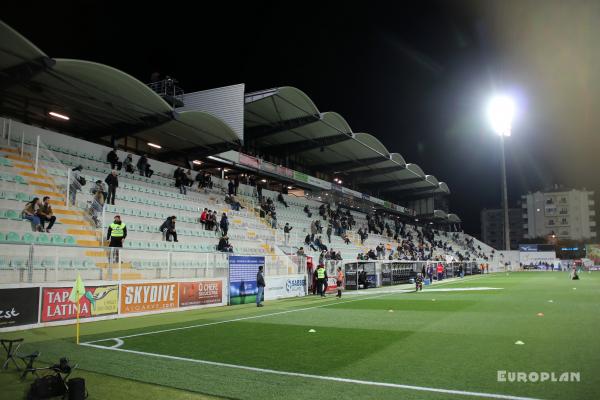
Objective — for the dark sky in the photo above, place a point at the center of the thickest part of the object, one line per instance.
(417, 75)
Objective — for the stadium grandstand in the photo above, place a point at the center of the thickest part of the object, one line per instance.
(272, 144)
(120, 198)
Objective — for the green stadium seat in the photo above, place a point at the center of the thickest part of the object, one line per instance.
(12, 214)
(28, 238)
(57, 239)
(43, 238)
(70, 240)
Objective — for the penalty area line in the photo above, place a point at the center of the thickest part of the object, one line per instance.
(318, 377)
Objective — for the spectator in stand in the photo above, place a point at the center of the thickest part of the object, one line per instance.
(45, 213)
(149, 172)
(209, 220)
(168, 228)
(346, 238)
(77, 181)
(141, 165)
(203, 218)
(281, 200)
(180, 181)
(224, 245)
(230, 187)
(224, 224)
(97, 203)
(308, 242)
(208, 181)
(328, 232)
(215, 222)
(113, 159)
(113, 183)
(307, 211)
(30, 213)
(300, 252)
(236, 184)
(99, 187)
(189, 180)
(286, 233)
(128, 164)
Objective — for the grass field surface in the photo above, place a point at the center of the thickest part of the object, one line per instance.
(447, 342)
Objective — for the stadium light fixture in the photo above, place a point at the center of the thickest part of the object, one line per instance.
(59, 116)
(501, 111)
(289, 187)
(156, 146)
(263, 180)
(197, 162)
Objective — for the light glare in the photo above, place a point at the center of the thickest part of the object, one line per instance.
(501, 111)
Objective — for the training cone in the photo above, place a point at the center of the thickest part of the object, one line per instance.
(432, 299)
(311, 331)
(540, 314)
(574, 288)
(550, 301)
(519, 342)
(391, 311)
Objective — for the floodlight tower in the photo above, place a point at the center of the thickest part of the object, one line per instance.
(501, 111)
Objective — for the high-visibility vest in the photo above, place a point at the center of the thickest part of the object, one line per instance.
(117, 230)
(320, 273)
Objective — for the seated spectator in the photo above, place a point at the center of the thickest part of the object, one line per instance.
(224, 245)
(113, 159)
(149, 172)
(168, 229)
(346, 238)
(282, 200)
(203, 218)
(46, 215)
(307, 211)
(128, 164)
(30, 213)
(308, 242)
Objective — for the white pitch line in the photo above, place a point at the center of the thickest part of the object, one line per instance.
(378, 294)
(320, 377)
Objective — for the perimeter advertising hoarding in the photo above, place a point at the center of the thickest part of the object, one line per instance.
(285, 286)
(200, 293)
(97, 301)
(242, 278)
(19, 306)
(592, 252)
(144, 297)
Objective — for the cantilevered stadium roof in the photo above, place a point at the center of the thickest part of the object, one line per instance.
(285, 120)
(99, 100)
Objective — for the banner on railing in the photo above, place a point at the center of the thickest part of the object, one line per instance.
(143, 297)
(97, 301)
(19, 306)
(279, 287)
(242, 278)
(200, 293)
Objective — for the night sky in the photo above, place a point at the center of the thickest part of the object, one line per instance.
(417, 75)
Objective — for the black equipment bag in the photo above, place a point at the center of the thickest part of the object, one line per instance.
(77, 389)
(46, 387)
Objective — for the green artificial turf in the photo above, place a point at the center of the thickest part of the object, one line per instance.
(454, 340)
